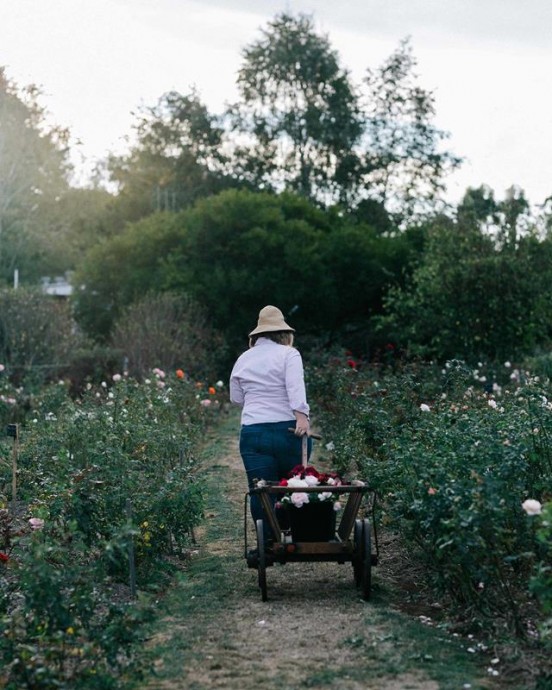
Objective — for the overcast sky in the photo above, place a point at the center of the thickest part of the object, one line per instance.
(488, 63)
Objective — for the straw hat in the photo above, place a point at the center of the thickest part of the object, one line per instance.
(271, 319)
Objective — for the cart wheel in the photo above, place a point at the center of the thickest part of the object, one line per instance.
(358, 547)
(366, 576)
(261, 567)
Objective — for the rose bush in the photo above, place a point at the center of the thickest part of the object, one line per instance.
(452, 469)
(82, 462)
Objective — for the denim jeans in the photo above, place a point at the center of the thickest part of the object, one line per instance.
(269, 451)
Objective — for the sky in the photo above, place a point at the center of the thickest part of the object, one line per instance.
(488, 64)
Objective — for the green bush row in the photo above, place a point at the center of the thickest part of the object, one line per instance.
(67, 616)
(453, 453)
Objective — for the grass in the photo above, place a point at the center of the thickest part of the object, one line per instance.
(212, 630)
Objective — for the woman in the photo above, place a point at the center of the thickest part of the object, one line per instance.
(268, 382)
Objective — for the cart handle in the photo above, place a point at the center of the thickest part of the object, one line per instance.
(311, 434)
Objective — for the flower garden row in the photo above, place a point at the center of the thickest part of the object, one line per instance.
(104, 481)
(462, 460)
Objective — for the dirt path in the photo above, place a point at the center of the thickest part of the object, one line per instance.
(315, 631)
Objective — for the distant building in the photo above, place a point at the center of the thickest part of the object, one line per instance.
(59, 286)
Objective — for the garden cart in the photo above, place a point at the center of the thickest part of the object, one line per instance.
(311, 533)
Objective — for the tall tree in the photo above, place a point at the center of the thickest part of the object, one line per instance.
(177, 157)
(34, 171)
(403, 166)
(298, 111)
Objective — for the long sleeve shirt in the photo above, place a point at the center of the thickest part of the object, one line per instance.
(268, 382)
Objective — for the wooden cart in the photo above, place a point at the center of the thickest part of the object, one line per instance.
(351, 540)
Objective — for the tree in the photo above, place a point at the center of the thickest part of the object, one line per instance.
(473, 297)
(403, 168)
(177, 158)
(309, 128)
(34, 169)
(298, 113)
(122, 270)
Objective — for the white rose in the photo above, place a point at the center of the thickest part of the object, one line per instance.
(532, 507)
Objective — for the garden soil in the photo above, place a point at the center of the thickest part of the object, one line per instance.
(315, 631)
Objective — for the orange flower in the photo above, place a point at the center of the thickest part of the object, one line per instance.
(212, 390)
(179, 374)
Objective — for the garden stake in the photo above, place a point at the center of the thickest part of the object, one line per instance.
(13, 430)
(131, 563)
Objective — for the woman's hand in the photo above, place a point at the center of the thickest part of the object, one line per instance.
(302, 425)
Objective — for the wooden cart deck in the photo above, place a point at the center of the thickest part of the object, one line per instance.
(351, 541)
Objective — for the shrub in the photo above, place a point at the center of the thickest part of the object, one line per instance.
(453, 455)
(169, 331)
(37, 334)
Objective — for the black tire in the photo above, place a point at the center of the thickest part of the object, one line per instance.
(366, 577)
(261, 567)
(358, 550)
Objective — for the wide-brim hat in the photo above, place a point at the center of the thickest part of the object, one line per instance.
(271, 319)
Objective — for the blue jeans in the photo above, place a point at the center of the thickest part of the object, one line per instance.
(269, 451)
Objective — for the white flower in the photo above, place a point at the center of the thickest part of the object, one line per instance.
(311, 480)
(36, 523)
(331, 481)
(117, 377)
(299, 498)
(219, 384)
(330, 446)
(337, 506)
(2, 367)
(424, 407)
(492, 403)
(532, 507)
(297, 483)
(159, 373)
(507, 364)
(261, 483)
(104, 384)
(325, 495)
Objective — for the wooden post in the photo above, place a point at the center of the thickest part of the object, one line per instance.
(13, 430)
(131, 563)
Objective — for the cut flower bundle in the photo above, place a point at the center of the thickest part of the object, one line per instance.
(306, 477)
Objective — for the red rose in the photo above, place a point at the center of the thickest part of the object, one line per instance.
(4, 557)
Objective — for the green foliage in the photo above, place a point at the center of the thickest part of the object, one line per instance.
(453, 464)
(247, 249)
(541, 582)
(473, 298)
(300, 111)
(170, 331)
(81, 460)
(178, 157)
(59, 628)
(403, 165)
(313, 131)
(33, 180)
(66, 618)
(116, 273)
(37, 334)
